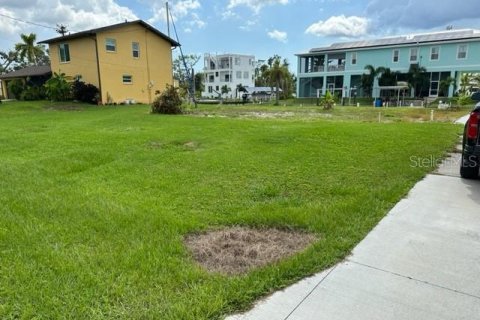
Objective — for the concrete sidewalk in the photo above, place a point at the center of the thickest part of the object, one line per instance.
(422, 261)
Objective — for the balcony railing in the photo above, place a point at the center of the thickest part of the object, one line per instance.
(335, 68)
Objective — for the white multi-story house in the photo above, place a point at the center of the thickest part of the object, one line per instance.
(230, 70)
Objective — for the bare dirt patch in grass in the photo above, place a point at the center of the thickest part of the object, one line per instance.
(237, 250)
(63, 107)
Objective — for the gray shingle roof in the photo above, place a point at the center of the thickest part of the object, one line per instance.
(28, 72)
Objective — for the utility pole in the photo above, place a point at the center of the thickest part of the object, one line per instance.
(168, 19)
(61, 29)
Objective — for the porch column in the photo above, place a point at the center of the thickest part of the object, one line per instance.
(452, 85)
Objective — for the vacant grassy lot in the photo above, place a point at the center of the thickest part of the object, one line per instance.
(95, 202)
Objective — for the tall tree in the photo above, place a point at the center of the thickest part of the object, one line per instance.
(275, 73)
(417, 78)
(368, 79)
(388, 77)
(29, 51)
(7, 60)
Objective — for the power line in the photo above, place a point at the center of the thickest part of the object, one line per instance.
(28, 22)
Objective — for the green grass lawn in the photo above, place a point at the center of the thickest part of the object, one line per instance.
(95, 202)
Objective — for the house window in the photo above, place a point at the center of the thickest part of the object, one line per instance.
(245, 75)
(135, 49)
(110, 45)
(227, 78)
(396, 55)
(217, 88)
(237, 61)
(239, 74)
(211, 78)
(354, 58)
(413, 54)
(462, 51)
(127, 79)
(210, 89)
(64, 52)
(434, 53)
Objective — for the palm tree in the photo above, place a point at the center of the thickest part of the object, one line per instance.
(417, 78)
(276, 73)
(388, 77)
(29, 50)
(445, 85)
(368, 79)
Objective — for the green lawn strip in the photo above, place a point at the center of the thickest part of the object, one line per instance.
(96, 201)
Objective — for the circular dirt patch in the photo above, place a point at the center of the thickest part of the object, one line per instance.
(237, 250)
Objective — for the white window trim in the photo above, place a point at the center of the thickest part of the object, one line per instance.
(466, 51)
(438, 58)
(393, 55)
(60, 53)
(410, 57)
(115, 42)
(138, 45)
(354, 54)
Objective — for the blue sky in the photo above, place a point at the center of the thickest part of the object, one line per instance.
(262, 27)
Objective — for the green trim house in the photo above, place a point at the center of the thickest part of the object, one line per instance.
(339, 67)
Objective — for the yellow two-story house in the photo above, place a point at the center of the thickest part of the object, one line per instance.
(128, 62)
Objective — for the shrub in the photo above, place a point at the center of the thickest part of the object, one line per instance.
(57, 88)
(33, 93)
(16, 87)
(168, 102)
(85, 92)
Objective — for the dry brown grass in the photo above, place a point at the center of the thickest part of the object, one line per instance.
(238, 250)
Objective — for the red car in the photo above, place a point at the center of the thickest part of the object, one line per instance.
(471, 144)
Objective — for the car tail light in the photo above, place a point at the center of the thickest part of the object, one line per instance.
(472, 125)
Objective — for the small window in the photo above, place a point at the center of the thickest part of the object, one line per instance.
(413, 55)
(211, 78)
(245, 75)
(237, 61)
(434, 53)
(135, 49)
(239, 74)
(210, 89)
(462, 51)
(64, 52)
(396, 55)
(111, 45)
(217, 88)
(127, 79)
(354, 58)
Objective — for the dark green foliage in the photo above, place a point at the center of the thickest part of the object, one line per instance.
(168, 102)
(85, 92)
(32, 93)
(58, 88)
(16, 87)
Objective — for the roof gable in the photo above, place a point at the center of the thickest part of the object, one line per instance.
(91, 32)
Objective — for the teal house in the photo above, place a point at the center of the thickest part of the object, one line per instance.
(443, 57)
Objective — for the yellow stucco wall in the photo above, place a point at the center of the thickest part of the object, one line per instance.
(83, 59)
(150, 72)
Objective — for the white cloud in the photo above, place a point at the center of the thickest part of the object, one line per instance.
(255, 5)
(178, 10)
(341, 26)
(278, 35)
(77, 15)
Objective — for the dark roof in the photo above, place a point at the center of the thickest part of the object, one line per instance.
(443, 36)
(28, 72)
(91, 32)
